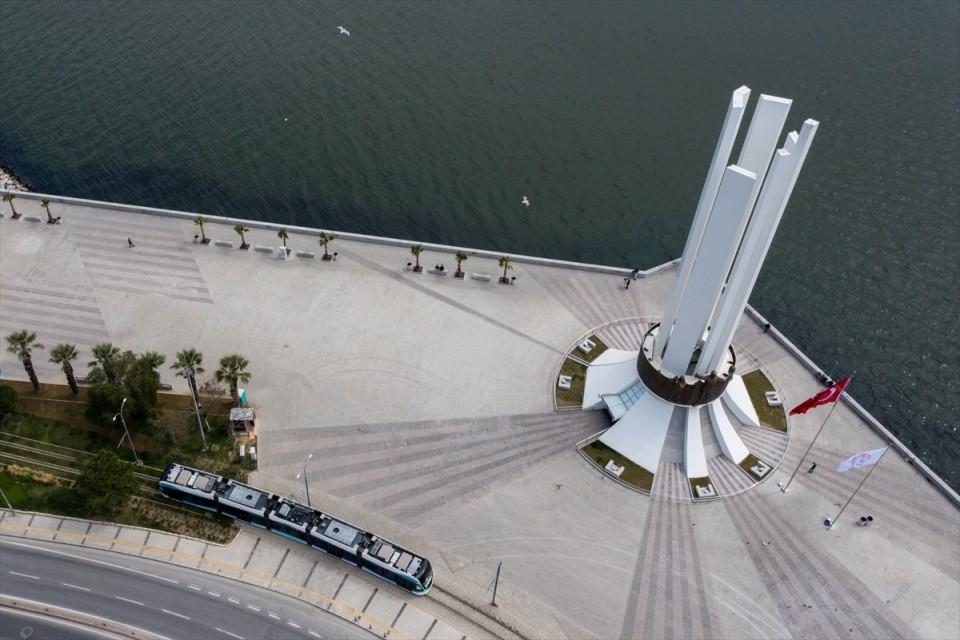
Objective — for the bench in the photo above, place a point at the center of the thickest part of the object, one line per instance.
(263, 249)
(306, 254)
(437, 272)
(586, 346)
(31, 218)
(83, 380)
(564, 382)
(224, 243)
(165, 387)
(481, 276)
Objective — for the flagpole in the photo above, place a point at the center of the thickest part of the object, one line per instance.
(872, 467)
(804, 457)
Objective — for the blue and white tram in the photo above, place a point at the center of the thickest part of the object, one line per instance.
(299, 522)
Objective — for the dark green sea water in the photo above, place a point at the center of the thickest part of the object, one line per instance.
(432, 119)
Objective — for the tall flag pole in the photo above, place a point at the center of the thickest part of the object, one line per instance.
(859, 460)
(829, 395)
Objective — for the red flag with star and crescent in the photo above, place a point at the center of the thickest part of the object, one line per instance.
(828, 395)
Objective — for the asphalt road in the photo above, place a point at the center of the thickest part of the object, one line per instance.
(163, 599)
(26, 625)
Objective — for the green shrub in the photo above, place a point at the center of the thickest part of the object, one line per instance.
(8, 401)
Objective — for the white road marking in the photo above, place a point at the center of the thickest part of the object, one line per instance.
(254, 607)
(73, 586)
(128, 600)
(293, 624)
(87, 560)
(194, 587)
(314, 633)
(214, 594)
(174, 613)
(234, 600)
(274, 616)
(232, 635)
(23, 575)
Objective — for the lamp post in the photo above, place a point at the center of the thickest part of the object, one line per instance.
(126, 431)
(306, 485)
(191, 382)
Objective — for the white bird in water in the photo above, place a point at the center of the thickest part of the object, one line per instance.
(344, 31)
(526, 201)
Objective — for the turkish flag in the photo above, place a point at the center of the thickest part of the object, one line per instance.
(828, 395)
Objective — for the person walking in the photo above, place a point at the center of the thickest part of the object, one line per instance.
(812, 467)
(130, 244)
(626, 281)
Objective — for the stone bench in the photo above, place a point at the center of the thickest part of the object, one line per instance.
(564, 382)
(165, 387)
(306, 254)
(486, 277)
(224, 243)
(586, 346)
(263, 249)
(31, 218)
(437, 272)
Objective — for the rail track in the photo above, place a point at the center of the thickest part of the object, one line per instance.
(483, 620)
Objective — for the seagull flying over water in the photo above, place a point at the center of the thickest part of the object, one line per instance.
(526, 201)
(344, 31)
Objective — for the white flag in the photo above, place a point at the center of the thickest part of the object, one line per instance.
(861, 459)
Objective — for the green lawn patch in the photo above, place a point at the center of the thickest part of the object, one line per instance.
(757, 385)
(699, 482)
(572, 397)
(751, 461)
(600, 347)
(633, 474)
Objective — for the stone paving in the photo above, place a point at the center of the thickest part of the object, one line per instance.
(427, 403)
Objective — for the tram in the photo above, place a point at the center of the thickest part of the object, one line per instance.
(299, 522)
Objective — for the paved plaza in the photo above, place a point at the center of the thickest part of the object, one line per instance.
(428, 405)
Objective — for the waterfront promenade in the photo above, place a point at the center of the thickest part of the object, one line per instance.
(427, 403)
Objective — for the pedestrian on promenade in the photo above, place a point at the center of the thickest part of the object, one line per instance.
(766, 327)
(626, 281)
(130, 244)
(812, 467)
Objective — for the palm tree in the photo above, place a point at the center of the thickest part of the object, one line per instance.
(152, 360)
(200, 221)
(459, 256)
(242, 230)
(188, 358)
(8, 197)
(282, 234)
(233, 369)
(21, 344)
(103, 367)
(325, 239)
(416, 250)
(45, 203)
(102, 353)
(63, 354)
(505, 263)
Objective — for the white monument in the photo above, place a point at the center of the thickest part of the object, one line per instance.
(685, 370)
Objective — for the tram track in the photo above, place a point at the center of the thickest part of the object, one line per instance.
(476, 616)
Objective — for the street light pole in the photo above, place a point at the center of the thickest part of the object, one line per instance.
(306, 485)
(127, 431)
(191, 382)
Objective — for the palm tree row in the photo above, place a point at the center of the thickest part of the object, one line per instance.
(44, 202)
(460, 257)
(108, 364)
